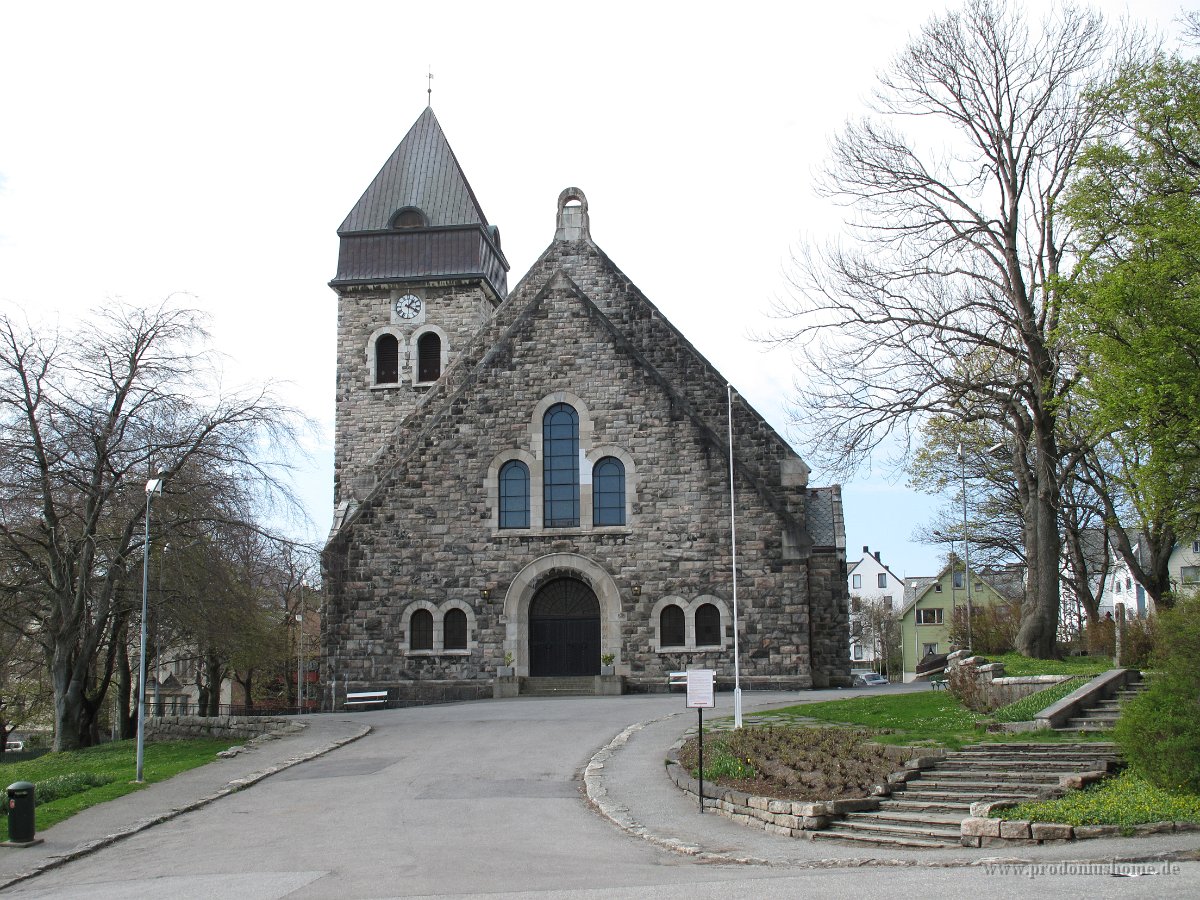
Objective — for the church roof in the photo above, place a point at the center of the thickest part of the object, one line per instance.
(424, 173)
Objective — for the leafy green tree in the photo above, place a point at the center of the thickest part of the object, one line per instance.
(1134, 306)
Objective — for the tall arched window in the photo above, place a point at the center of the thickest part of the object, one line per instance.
(670, 626)
(420, 630)
(514, 495)
(560, 447)
(454, 630)
(429, 357)
(708, 626)
(608, 492)
(387, 359)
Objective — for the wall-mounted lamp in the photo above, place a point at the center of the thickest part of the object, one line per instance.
(484, 593)
(637, 590)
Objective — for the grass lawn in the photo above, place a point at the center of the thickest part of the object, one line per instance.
(83, 778)
(1015, 664)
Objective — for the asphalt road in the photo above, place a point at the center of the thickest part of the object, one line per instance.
(485, 800)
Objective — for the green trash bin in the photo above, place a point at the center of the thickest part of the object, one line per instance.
(21, 827)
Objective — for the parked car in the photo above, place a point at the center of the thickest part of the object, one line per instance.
(14, 746)
(870, 679)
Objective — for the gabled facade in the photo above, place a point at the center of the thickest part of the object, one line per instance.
(556, 489)
(870, 584)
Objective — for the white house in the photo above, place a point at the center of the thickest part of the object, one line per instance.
(870, 583)
(1121, 588)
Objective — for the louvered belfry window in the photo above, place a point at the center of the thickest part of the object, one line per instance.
(429, 357)
(387, 359)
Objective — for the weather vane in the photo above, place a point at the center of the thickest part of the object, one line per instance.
(429, 89)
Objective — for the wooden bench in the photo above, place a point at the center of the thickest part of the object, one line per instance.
(366, 698)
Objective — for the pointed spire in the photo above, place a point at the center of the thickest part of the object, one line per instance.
(423, 174)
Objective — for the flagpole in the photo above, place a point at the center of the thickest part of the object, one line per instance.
(737, 684)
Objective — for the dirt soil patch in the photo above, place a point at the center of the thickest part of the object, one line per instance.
(795, 763)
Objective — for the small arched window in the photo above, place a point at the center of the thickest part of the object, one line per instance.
(708, 626)
(429, 357)
(454, 630)
(420, 630)
(608, 492)
(387, 359)
(408, 218)
(670, 626)
(514, 495)
(560, 480)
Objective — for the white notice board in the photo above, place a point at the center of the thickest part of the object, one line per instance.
(700, 688)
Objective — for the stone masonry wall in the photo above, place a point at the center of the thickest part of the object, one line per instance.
(237, 728)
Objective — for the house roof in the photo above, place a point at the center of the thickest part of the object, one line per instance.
(422, 172)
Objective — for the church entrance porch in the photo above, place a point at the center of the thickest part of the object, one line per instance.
(564, 630)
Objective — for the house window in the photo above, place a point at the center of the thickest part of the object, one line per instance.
(887, 603)
(959, 579)
(1190, 575)
(1129, 584)
(514, 495)
(857, 651)
(454, 630)
(608, 492)
(708, 626)
(387, 359)
(1196, 546)
(429, 357)
(670, 626)
(560, 483)
(856, 581)
(420, 630)
(929, 649)
(882, 579)
(937, 587)
(978, 586)
(929, 616)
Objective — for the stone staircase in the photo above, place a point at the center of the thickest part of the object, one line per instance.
(581, 686)
(1103, 715)
(927, 808)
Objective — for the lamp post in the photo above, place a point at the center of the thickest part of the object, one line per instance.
(153, 486)
(737, 684)
(962, 459)
(299, 661)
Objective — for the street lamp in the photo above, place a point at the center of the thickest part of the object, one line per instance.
(737, 683)
(153, 486)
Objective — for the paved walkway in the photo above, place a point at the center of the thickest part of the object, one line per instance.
(107, 823)
(625, 781)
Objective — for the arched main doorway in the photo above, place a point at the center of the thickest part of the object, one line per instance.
(564, 629)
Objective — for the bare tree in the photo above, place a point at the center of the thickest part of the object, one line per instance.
(946, 301)
(85, 418)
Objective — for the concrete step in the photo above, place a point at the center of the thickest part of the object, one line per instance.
(901, 817)
(1057, 766)
(935, 806)
(921, 831)
(976, 776)
(881, 840)
(584, 686)
(981, 787)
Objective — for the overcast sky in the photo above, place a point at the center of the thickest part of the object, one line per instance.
(213, 149)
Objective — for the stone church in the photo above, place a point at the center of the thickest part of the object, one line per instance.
(534, 484)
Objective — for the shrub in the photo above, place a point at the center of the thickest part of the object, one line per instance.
(993, 629)
(1137, 642)
(1159, 731)
(1101, 638)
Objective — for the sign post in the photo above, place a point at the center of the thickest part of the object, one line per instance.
(700, 696)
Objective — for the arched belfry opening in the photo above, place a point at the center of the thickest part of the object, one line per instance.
(573, 223)
(564, 629)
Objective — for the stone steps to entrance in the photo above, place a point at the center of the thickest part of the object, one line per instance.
(879, 840)
(574, 686)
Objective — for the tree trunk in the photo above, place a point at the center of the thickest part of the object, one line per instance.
(125, 715)
(1039, 625)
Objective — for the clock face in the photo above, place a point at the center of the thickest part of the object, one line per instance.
(408, 306)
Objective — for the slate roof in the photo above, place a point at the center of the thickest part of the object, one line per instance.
(422, 172)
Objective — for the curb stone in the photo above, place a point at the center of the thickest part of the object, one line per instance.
(232, 787)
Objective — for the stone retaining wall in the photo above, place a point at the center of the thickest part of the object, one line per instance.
(979, 831)
(991, 688)
(238, 728)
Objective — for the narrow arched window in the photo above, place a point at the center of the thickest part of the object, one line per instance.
(670, 626)
(560, 483)
(420, 630)
(708, 626)
(608, 492)
(454, 630)
(514, 495)
(387, 359)
(429, 357)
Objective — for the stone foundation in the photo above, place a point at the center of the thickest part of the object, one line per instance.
(236, 728)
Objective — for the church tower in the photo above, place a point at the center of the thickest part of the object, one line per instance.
(420, 270)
